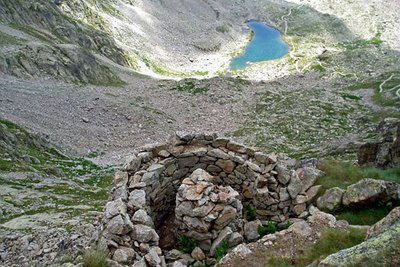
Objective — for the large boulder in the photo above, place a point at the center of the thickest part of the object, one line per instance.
(385, 152)
(364, 192)
(380, 249)
(392, 218)
(331, 199)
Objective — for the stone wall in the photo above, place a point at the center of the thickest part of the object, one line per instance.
(204, 181)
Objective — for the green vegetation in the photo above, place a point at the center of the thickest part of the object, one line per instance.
(270, 228)
(190, 87)
(250, 213)
(361, 43)
(6, 39)
(301, 122)
(366, 215)
(34, 32)
(52, 182)
(386, 98)
(222, 28)
(331, 241)
(342, 174)
(221, 250)
(109, 9)
(186, 245)
(94, 258)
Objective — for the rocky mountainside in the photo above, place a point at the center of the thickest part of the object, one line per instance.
(99, 78)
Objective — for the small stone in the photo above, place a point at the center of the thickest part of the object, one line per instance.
(218, 153)
(120, 178)
(144, 233)
(124, 255)
(137, 199)
(114, 208)
(142, 217)
(251, 230)
(152, 258)
(226, 165)
(312, 193)
(227, 216)
(294, 186)
(164, 153)
(235, 239)
(198, 254)
(132, 163)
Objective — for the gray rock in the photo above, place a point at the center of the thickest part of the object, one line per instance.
(196, 224)
(218, 153)
(152, 258)
(251, 230)
(157, 168)
(242, 250)
(124, 255)
(392, 218)
(235, 239)
(140, 263)
(364, 192)
(120, 178)
(331, 200)
(380, 250)
(295, 186)
(283, 174)
(198, 254)
(132, 164)
(142, 217)
(117, 225)
(144, 233)
(301, 228)
(172, 255)
(178, 264)
(114, 208)
(227, 216)
(283, 194)
(308, 176)
(312, 193)
(137, 198)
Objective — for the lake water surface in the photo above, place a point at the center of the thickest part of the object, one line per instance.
(266, 44)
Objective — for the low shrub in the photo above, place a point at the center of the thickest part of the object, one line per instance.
(250, 213)
(221, 250)
(186, 245)
(94, 258)
(270, 228)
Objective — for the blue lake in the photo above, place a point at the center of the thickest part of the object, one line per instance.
(266, 44)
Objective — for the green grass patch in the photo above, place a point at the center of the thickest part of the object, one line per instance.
(187, 245)
(342, 174)
(365, 216)
(250, 213)
(270, 228)
(362, 43)
(6, 39)
(221, 250)
(332, 240)
(94, 258)
(386, 98)
(222, 28)
(34, 32)
(190, 87)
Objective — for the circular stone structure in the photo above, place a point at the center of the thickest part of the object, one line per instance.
(196, 185)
